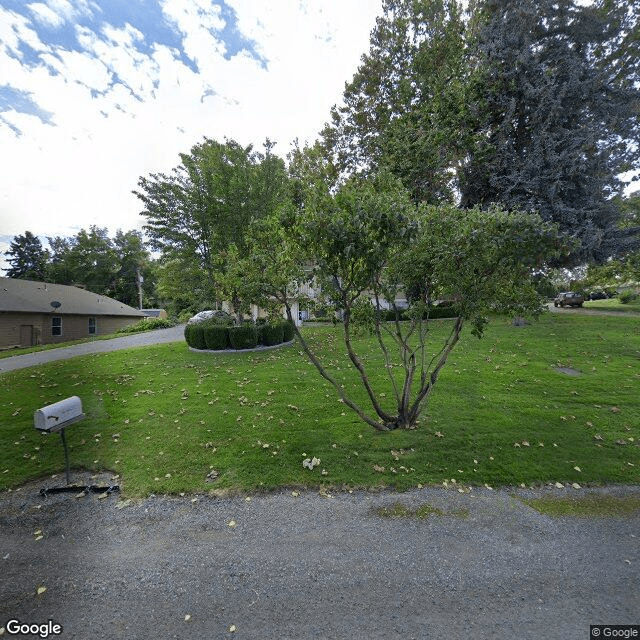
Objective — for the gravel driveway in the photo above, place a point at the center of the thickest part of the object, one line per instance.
(308, 566)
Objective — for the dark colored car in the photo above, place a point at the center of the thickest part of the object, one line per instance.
(569, 299)
(598, 295)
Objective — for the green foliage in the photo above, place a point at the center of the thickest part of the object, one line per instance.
(194, 335)
(27, 258)
(628, 296)
(244, 336)
(288, 331)
(558, 116)
(368, 244)
(271, 334)
(216, 335)
(526, 103)
(199, 215)
(147, 324)
(501, 391)
(104, 265)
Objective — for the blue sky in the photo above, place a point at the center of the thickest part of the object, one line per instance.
(95, 93)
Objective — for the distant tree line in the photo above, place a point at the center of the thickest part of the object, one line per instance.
(91, 259)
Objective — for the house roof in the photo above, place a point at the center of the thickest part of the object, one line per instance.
(27, 296)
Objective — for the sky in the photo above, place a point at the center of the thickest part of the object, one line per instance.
(96, 93)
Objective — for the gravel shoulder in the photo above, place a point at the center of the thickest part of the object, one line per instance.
(310, 566)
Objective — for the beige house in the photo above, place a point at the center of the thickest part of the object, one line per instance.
(34, 313)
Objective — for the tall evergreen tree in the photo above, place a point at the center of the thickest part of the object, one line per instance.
(560, 117)
(532, 104)
(27, 258)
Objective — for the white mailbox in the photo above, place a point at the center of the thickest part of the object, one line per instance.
(58, 415)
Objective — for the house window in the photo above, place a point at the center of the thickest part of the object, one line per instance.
(56, 326)
(92, 326)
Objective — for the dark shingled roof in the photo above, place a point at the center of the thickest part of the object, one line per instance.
(26, 296)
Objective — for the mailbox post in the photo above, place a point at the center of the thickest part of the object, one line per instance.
(57, 416)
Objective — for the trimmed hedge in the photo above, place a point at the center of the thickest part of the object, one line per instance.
(288, 331)
(216, 336)
(195, 337)
(244, 336)
(271, 334)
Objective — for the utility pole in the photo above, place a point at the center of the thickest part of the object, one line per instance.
(139, 280)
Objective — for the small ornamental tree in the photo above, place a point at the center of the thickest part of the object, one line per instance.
(368, 245)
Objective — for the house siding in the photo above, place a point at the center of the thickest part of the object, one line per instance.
(74, 327)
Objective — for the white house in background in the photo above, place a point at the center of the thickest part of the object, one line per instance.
(34, 313)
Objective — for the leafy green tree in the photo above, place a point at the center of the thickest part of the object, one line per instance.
(205, 206)
(560, 117)
(526, 103)
(365, 242)
(410, 106)
(134, 261)
(27, 258)
(88, 258)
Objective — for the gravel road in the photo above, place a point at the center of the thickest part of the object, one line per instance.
(308, 566)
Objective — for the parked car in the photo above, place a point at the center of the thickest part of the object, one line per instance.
(569, 299)
(598, 295)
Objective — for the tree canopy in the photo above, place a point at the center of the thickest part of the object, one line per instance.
(198, 215)
(27, 258)
(529, 104)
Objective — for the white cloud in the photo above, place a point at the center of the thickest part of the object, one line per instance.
(45, 15)
(15, 29)
(106, 134)
(56, 13)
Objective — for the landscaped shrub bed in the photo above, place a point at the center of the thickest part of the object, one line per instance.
(244, 336)
(215, 335)
(147, 324)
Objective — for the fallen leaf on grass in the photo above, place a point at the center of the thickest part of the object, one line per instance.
(310, 464)
(615, 409)
(378, 468)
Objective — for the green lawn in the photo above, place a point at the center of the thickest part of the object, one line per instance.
(612, 304)
(162, 418)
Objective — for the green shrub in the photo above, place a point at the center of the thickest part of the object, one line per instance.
(244, 336)
(628, 296)
(288, 331)
(195, 337)
(147, 324)
(216, 336)
(434, 313)
(272, 334)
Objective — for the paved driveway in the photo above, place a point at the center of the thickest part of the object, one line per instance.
(158, 336)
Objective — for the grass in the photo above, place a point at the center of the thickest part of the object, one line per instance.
(162, 418)
(612, 304)
(589, 506)
(401, 510)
